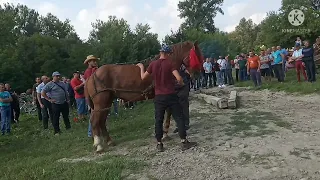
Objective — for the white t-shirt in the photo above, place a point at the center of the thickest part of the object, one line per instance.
(222, 63)
(297, 53)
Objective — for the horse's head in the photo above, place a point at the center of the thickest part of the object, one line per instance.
(181, 54)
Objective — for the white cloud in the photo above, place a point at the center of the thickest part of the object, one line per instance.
(237, 8)
(230, 28)
(147, 7)
(162, 19)
(258, 17)
(47, 7)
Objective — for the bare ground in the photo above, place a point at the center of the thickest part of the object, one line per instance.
(270, 136)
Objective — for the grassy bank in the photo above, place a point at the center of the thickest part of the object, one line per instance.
(33, 153)
(290, 85)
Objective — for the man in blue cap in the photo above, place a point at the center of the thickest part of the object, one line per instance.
(164, 75)
(59, 98)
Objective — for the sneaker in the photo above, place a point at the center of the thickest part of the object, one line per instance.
(187, 145)
(220, 86)
(160, 147)
(223, 85)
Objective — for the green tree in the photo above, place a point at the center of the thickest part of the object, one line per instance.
(200, 14)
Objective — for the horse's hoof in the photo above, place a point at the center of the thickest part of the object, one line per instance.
(99, 149)
(111, 143)
(166, 138)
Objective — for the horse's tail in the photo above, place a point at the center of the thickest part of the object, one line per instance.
(88, 98)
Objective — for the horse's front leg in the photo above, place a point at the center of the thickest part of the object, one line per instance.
(96, 131)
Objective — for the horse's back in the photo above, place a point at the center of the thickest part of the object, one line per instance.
(122, 76)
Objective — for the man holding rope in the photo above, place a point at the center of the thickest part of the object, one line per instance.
(91, 61)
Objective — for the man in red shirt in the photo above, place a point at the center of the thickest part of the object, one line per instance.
(78, 88)
(164, 75)
(91, 61)
(253, 68)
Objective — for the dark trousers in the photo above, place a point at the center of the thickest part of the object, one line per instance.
(46, 113)
(15, 112)
(237, 74)
(214, 77)
(279, 72)
(161, 103)
(64, 110)
(243, 74)
(73, 103)
(183, 95)
(207, 77)
(39, 110)
(272, 70)
(256, 77)
(228, 79)
(311, 70)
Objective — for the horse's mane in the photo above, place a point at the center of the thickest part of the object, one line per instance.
(176, 48)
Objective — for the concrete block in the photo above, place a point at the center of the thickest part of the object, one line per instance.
(232, 101)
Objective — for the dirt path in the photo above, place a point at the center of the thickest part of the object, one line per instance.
(270, 136)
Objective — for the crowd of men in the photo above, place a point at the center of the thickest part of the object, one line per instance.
(270, 63)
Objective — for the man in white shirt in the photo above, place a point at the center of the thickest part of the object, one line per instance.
(236, 66)
(222, 73)
(297, 57)
(207, 66)
(46, 106)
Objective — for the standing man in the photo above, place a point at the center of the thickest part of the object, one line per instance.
(265, 68)
(277, 60)
(307, 58)
(207, 66)
(34, 95)
(46, 106)
(253, 68)
(91, 61)
(5, 110)
(78, 88)
(222, 73)
(183, 94)
(236, 66)
(228, 74)
(242, 68)
(59, 99)
(163, 74)
(15, 106)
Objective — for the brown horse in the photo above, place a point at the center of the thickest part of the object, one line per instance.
(124, 82)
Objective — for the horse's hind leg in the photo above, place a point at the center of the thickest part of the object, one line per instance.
(105, 132)
(166, 126)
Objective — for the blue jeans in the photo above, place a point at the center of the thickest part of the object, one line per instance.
(5, 119)
(243, 74)
(89, 128)
(81, 106)
(220, 76)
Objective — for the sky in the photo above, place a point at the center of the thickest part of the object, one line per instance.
(161, 15)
